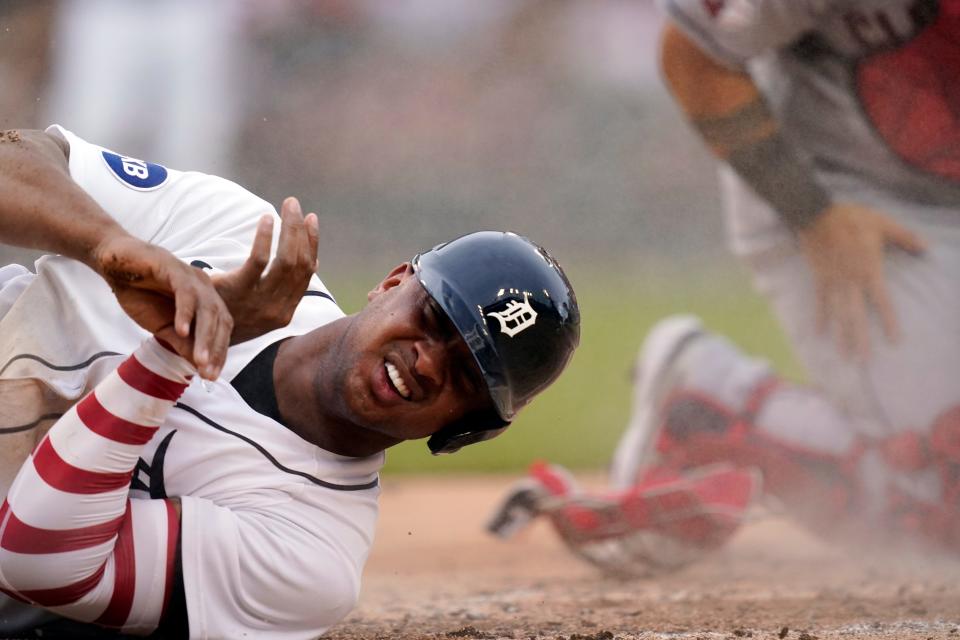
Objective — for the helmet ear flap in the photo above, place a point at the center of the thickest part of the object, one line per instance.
(474, 427)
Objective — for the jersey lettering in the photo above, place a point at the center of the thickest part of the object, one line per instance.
(137, 174)
(135, 168)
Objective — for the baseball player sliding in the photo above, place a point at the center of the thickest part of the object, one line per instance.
(837, 123)
(221, 478)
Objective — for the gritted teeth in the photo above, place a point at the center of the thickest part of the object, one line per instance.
(397, 380)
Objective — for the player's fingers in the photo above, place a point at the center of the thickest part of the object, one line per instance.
(252, 270)
(291, 230)
(312, 223)
(202, 337)
(824, 301)
(306, 262)
(288, 246)
(295, 261)
(882, 302)
(855, 326)
(219, 345)
(899, 236)
(306, 254)
(186, 308)
(210, 344)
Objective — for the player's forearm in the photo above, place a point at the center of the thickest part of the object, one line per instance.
(732, 117)
(68, 513)
(40, 205)
(723, 104)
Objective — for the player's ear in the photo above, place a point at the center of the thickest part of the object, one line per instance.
(396, 276)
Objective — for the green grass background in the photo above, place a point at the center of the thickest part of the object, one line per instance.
(578, 421)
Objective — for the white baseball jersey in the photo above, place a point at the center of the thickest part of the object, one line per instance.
(864, 87)
(275, 531)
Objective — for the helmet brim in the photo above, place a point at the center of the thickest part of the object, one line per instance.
(472, 327)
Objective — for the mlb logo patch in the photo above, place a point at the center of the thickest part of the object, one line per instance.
(134, 173)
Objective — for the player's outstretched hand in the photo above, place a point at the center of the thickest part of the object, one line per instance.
(158, 290)
(262, 295)
(845, 248)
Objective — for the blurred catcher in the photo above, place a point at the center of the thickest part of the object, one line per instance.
(837, 124)
(243, 505)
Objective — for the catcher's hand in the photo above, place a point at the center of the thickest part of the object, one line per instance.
(845, 248)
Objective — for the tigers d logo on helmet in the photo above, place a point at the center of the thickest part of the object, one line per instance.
(515, 309)
(516, 317)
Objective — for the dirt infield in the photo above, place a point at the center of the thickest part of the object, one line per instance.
(435, 574)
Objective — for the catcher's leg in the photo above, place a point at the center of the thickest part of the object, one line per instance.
(907, 389)
(708, 402)
(699, 400)
(935, 519)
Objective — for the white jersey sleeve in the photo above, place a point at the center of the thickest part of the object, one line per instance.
(733, 31)
(68, 316)
(188, 213)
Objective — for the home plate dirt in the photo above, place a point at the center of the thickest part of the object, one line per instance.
(435, 574)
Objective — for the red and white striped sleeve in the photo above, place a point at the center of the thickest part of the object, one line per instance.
(71, 539)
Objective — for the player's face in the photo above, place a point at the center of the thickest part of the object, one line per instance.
(411, 373)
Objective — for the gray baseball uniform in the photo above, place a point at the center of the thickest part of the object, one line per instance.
(864, 88)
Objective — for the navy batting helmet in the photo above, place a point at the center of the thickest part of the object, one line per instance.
(516, 311)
